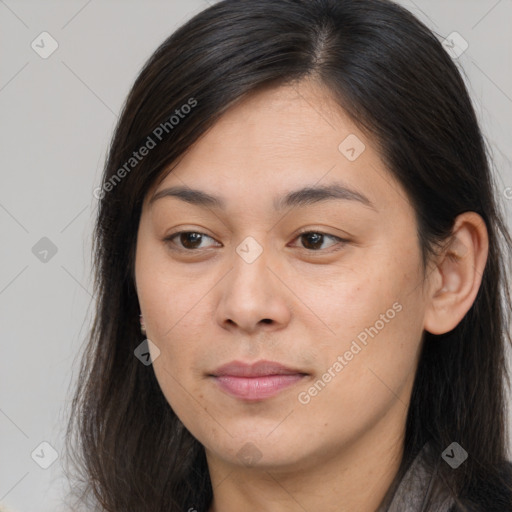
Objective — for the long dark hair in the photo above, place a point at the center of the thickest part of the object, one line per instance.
(393, 77)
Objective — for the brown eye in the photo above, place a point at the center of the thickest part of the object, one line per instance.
(188, 240)
(313, 240)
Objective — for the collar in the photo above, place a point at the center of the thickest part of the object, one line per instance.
(417, 491)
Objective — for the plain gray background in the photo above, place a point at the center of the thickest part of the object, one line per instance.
(58, 114)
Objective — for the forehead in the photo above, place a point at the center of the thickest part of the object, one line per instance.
(289, 122)
(280, 138)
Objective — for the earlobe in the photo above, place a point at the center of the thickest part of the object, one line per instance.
(458, 272)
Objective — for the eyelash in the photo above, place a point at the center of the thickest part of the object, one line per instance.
(341, 241)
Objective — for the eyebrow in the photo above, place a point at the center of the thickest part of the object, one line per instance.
(298, 198)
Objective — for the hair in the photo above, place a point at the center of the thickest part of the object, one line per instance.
(392, 76)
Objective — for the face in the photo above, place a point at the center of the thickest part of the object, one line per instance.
(328, 283)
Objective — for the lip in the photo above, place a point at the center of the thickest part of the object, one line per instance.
(256, 381)
(258, 369)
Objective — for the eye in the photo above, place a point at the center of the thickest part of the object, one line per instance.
(188, 240)
(313, 240)
(192, 240)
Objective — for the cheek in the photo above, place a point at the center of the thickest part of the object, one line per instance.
(377, 323)
(166, 295)
(367, 373)
(162, 312)
(360, 294)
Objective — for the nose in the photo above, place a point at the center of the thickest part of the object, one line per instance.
(253, 296)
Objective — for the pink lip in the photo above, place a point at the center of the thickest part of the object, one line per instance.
(257, 381)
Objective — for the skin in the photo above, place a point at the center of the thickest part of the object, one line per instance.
(302, 303)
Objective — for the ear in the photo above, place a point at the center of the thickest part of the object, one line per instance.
(457, 275)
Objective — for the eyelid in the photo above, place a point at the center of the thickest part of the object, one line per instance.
(303, 231)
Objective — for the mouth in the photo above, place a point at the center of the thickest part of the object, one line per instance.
(257, 381)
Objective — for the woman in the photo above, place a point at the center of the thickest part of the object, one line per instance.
(298, 208)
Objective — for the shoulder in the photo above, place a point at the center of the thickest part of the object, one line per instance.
(425, 487)
(490, 494)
